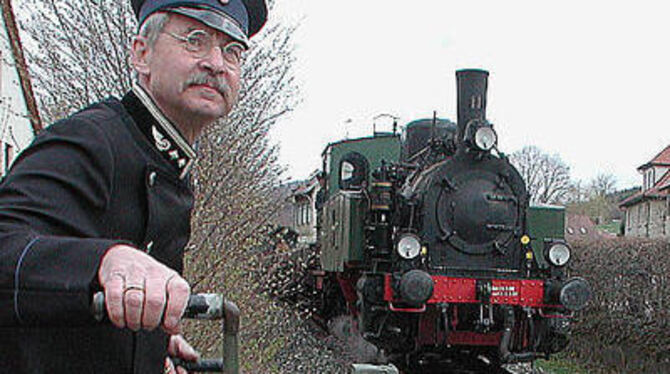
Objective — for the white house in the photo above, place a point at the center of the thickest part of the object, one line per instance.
(19, 118)
(648, 211)
(304, 201)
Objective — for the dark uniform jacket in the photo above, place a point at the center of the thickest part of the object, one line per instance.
(109, 174)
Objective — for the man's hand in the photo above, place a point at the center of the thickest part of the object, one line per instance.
(140, 292)
(179, 348)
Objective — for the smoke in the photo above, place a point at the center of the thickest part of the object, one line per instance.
(344, 328)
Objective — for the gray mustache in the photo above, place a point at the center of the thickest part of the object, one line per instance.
(206, 79)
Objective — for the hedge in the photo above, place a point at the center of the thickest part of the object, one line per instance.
(626, 327)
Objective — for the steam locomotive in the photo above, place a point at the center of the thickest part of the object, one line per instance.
(432, 246)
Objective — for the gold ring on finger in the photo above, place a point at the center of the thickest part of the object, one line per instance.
(137, 287)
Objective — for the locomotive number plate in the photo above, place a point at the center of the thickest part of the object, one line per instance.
(504, 291)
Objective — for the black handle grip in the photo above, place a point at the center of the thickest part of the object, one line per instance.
(200, 306)
(201, 366)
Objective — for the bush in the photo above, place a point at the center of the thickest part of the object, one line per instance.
(626, 327)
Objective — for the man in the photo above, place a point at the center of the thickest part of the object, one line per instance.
(100, 201)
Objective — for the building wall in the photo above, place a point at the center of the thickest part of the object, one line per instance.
(15, 128)
(649, 219)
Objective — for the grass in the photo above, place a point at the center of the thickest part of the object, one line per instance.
(611, 227)
(559, 365)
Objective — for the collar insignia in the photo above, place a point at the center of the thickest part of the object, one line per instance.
(161, 143)
(167, 138)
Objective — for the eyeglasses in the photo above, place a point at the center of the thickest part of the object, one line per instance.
(200, 44)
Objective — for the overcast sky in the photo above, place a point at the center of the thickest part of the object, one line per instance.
(586, 80)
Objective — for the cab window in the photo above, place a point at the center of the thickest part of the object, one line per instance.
(353, 171)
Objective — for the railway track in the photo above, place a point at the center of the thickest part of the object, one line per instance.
(344, 330)
(461, 366)
(443, 368)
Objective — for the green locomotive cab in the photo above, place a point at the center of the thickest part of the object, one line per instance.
(347, 166)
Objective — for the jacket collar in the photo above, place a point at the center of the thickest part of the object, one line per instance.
(165, 137)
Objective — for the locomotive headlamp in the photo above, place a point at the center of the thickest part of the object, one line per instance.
(485, 138)
(409, 246)
(480, 136)
(558, 254)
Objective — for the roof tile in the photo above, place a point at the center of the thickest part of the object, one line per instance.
(659, 190)
(661, 159)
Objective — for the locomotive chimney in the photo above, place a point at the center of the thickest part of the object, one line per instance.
(471, 87)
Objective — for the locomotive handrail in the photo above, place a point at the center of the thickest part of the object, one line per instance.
(205, 306)
(394, 308)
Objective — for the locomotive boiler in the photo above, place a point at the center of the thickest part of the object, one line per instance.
(430, 243)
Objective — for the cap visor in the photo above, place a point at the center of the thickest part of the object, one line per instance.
(215, 20)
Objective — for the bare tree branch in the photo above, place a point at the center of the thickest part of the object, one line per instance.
(547, 177)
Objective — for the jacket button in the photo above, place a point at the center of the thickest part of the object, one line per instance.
(152, 178)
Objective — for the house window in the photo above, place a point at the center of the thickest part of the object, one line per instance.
(303, 214)
(646, 180)
(647, 211)
(649, 178)
(639, 215)
(298, 214)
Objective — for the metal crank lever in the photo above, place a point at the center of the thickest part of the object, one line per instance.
(214, 365)
(205, 306)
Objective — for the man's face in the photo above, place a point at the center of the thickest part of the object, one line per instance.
(187, 87)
